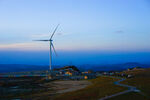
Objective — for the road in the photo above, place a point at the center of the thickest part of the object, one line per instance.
(130, 89)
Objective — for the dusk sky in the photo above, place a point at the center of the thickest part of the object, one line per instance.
(90, 32)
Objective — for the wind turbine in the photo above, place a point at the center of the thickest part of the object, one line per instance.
(51, 47)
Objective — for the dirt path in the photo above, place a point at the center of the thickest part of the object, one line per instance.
(130, 89)
(58, 87)
(68, 86)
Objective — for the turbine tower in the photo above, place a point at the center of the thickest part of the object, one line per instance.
(51, 47)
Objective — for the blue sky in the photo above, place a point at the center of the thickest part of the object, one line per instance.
(95, 28)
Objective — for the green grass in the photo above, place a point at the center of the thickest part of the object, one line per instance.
(142, 83)
(26, 95)
(141, 80)
(30, 87)
(130, 96)
(99, 88)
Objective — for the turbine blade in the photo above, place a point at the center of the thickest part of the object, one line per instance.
(54, 32)
(40, 40)
(54, 49)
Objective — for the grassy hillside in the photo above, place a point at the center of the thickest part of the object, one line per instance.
(141, 80)
(100, 87)
(130, 96)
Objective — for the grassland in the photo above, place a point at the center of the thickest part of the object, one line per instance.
(36, 88)
(100, 87)
(26, 87)
(130, 96)
(141, 80)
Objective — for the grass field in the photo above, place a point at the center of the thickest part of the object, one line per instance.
(99, 88)
(27, 87)
(141, 80)
(130, 96)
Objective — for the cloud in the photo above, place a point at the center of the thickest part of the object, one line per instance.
(119, 31)
(24, 46)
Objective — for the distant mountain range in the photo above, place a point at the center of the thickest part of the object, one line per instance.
(113, 67)
(20, 68)
(117, 67)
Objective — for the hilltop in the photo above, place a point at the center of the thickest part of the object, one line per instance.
(114, 67)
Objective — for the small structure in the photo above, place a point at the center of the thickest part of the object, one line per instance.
(73, 73)
(67, 71)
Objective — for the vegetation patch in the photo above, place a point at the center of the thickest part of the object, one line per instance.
(129, 96)
(23, 87)
(100, 87)
(141, 80)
